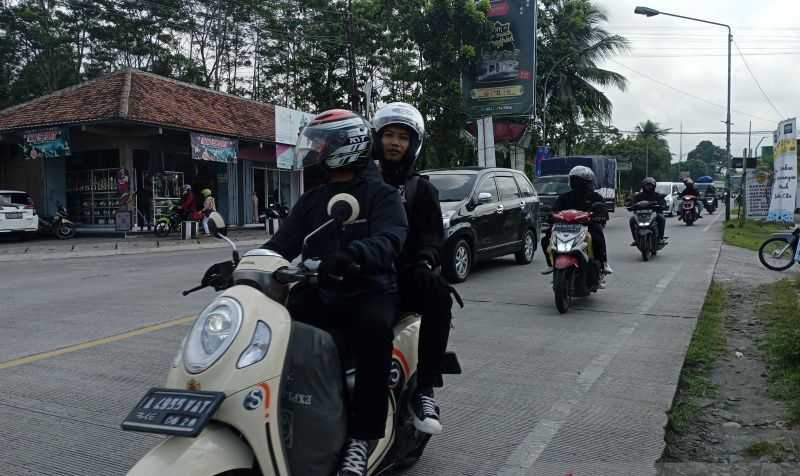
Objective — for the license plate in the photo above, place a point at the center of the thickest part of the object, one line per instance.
(173, 412)
(566, 228)
(14, 216)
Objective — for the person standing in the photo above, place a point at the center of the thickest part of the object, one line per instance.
(209, 206)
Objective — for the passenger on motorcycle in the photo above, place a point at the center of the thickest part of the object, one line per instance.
(582, 197)
(399, 131)
(692, 190)
(357, 277)
(649, 194)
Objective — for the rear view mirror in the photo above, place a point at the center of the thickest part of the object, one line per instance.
(216, 224)
(343, 208)
(484, 197)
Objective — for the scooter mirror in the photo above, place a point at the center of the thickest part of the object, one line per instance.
(216, 224)
(343, 208)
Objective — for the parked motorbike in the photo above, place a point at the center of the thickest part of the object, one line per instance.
(688, 211)
(252, 392)
(710, 204)
(779, 252)
(59, 225)
(275, 211)
(646, 228)
(576, 272)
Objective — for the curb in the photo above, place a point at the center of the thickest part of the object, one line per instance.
(124, 251)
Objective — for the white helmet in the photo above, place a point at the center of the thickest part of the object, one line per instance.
(581, 177)
(404, 115)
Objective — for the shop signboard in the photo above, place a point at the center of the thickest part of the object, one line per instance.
(757, 194)
(784, 188)
(122, 220)
(46, 143)
(288, 123)
(284, 156)
(214, 148)
(502, 82)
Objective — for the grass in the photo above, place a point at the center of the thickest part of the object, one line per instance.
(779, 312)
(776, 451)
(750, 235)
(708, 343)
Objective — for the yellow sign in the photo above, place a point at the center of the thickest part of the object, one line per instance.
(498, 92)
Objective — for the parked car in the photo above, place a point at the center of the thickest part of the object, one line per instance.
(670, 191)
(17, 213)
(487, 212)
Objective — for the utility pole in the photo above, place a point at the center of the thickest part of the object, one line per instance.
(348, 28)
(647, 157)
(749, 141)
(680, 153)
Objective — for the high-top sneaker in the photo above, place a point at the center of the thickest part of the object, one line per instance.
(426, 413)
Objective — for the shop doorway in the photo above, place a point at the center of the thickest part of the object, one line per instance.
(271, 186)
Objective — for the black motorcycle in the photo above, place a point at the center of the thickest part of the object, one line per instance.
(646, 228)
(780, 252)
(710, 203)
(59, 225)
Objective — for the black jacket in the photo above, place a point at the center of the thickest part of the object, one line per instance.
(690, 191)
(425, 227)
(577, 200)
(653, 196)
(374, 240)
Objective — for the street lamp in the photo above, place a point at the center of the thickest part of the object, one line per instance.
(651, 12)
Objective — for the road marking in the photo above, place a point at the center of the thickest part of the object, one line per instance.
(96, 342)
(661, 286)
(712, 222)
(533, 445)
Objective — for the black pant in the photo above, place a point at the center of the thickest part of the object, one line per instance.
(660, 221)
(368, 322)
(433, 303)
(598, 243)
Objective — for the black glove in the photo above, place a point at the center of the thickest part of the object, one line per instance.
(423, 275)
(335, 267)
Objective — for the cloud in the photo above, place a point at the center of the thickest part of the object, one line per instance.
(761, 29)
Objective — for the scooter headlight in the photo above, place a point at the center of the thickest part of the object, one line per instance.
(212, 334)
(258, 347)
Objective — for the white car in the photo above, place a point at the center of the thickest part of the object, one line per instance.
(17, 213)
(670, 192)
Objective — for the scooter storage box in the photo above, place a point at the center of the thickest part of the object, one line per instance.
(190, 230)
(313, 411)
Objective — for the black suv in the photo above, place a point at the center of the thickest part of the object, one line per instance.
(487, 212)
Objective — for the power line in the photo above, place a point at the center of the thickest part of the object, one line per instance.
(711, 55)
(780, 116)
(712, 103)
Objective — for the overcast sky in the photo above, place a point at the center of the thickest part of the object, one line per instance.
(669, 55)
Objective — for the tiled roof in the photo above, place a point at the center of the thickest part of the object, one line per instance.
(146, 98)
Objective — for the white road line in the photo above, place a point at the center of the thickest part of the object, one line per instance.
(662, 285)
(533, 445)
(712, 222)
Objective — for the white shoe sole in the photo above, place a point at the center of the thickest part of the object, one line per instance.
(429, 426)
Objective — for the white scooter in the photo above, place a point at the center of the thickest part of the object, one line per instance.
(252, 392)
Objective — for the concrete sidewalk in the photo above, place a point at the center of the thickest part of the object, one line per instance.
(90, 246)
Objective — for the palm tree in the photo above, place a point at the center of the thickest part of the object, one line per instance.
(652, 135)
(651, 130)
(572, 43)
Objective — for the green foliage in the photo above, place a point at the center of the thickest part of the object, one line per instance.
(714, 157)
(751, 234)
(779, 312)
(775, 451)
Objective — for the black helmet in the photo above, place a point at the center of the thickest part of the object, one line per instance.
(649, 181)
(335, 139)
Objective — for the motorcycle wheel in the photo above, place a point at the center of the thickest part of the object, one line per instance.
(162, 229)
(65, 231)
(645, 249)
(689, 219)
(769, 250)
(562, 280)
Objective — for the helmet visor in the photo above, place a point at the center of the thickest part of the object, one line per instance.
(319, 142)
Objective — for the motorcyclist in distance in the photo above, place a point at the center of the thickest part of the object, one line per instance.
(357, 287)
(649, 194)
(692, 190)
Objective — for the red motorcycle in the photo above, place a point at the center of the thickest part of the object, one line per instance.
(688, 211)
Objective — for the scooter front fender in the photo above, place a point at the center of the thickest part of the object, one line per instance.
(214, 451)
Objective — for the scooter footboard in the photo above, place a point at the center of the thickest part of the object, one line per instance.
(215, 450)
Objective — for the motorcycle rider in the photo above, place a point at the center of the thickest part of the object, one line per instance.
(399, 132)
(581, 197)
(187, 205)
(649, 194)
(691, 190)
(357, 276)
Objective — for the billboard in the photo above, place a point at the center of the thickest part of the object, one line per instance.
(784, 187)
(45, 143)
(502, 82)
(214, 148)
(757, 194)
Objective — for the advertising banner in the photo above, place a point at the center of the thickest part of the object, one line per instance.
(784, 188)
(757, 195)
(503, 80)
(542, 153)
(288, 123)
(45, 143)
(284, 156)
(214, 148)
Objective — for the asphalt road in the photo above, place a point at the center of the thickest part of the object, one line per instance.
(541, 393)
